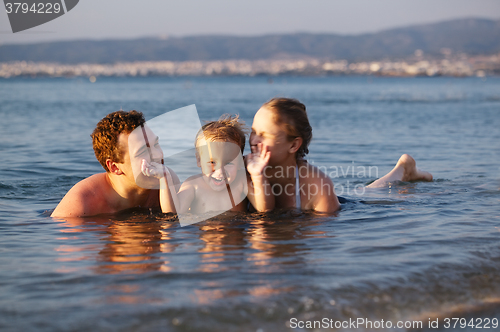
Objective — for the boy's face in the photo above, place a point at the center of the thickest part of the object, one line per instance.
(219, 161)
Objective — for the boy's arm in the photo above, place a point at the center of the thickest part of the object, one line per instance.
(186, 196)
(168, 195)
(259, 188)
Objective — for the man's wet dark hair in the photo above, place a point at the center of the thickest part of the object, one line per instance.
(105, 135)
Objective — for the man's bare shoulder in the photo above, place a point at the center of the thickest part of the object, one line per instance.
(94, 180)
(86, 198)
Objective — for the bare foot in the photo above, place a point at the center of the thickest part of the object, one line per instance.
(411, 172)
(405, 170)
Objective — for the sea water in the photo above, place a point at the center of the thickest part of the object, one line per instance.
(409, 252)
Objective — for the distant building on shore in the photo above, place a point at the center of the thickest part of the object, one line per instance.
(460, 65)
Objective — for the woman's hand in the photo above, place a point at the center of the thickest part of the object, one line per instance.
(155, 170)
(258, 159)
(259, 190)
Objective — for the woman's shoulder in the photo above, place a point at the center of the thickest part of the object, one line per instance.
(320, 187)
(309, 171)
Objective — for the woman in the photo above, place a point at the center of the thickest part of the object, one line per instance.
(281, 134)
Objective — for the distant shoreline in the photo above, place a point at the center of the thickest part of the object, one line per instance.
(461, 47)
(461, 66)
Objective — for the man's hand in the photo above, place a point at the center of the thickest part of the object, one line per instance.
(258, 159)
(155, 170)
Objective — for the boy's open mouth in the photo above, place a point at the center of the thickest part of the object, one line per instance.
(217, 181)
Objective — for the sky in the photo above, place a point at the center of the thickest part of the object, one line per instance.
(125, 19)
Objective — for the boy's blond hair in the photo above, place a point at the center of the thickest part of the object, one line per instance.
(227, 129)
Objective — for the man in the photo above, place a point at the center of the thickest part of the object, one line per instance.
(120, 149)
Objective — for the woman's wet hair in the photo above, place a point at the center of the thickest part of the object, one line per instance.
(291, 115)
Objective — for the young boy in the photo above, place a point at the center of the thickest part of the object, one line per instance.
(222, 185)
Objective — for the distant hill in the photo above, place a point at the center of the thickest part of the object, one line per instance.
(471, 36)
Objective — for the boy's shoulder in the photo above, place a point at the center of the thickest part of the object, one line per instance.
(195, 184)
(193, 180)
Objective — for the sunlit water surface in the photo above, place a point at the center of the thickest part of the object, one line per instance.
(411, 251)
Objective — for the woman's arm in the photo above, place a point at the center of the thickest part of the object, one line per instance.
(259, 188)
